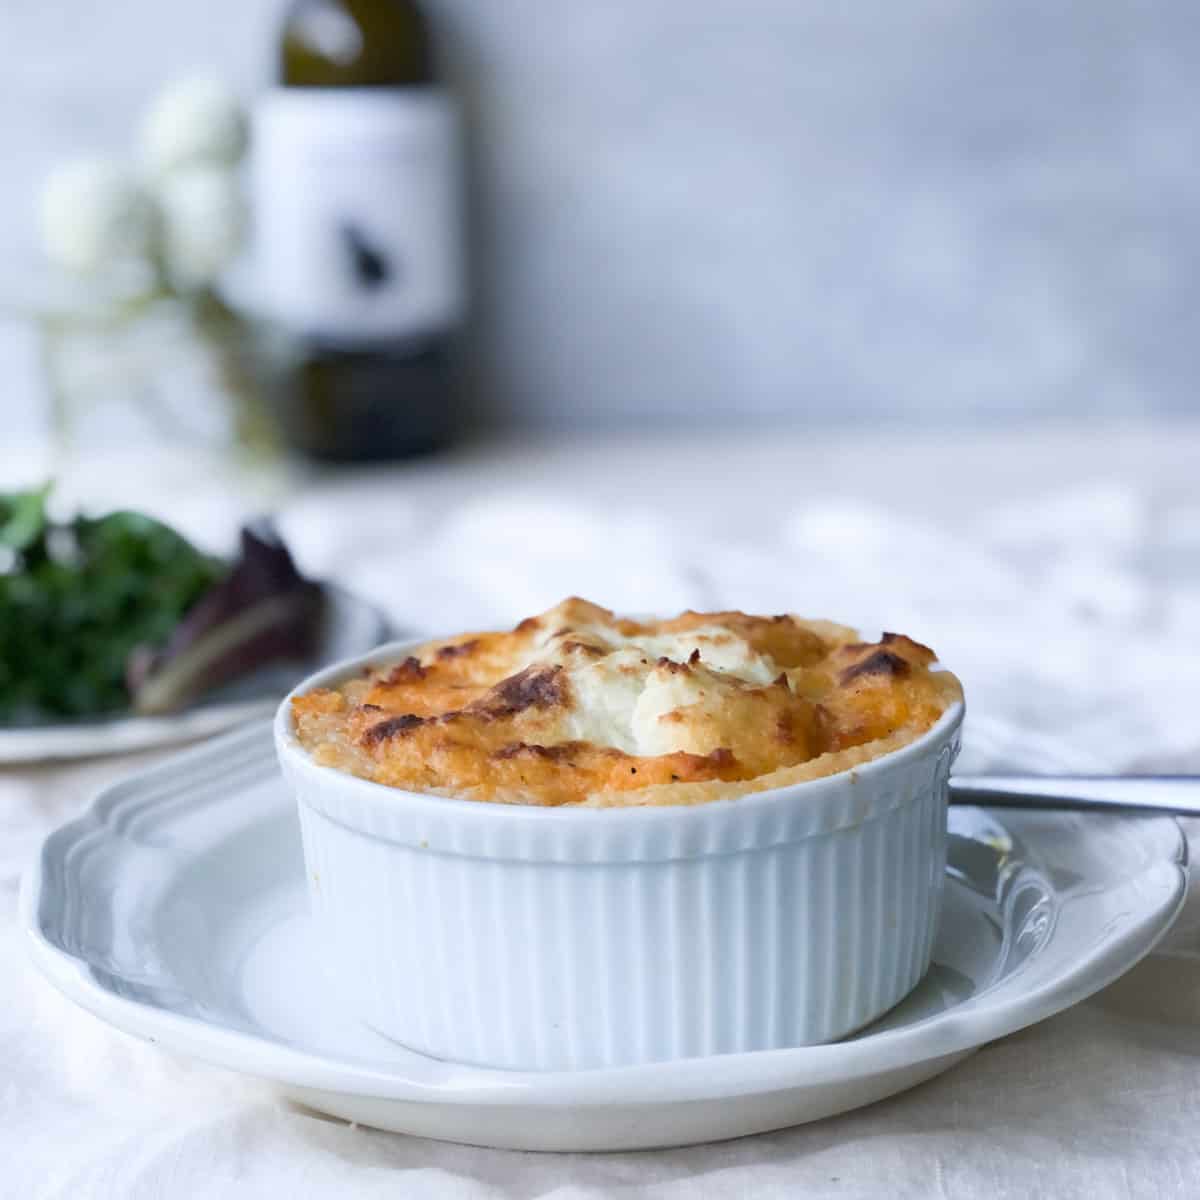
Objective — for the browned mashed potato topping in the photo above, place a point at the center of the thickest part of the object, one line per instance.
(577, 706)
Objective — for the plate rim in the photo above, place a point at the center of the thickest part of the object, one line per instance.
(695, 1079)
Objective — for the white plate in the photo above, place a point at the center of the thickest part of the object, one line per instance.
(350, 627)
(175, 909)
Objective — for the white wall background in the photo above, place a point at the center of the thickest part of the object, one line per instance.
(754, 209)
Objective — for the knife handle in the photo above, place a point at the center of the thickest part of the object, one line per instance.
(1176, 794)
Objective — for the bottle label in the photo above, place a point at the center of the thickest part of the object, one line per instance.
(357, 219)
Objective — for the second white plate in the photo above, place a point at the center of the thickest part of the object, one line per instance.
(175, 909)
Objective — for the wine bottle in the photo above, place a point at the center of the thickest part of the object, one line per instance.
(358, 232)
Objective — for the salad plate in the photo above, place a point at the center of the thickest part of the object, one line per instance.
(349, 626)
(175, 909)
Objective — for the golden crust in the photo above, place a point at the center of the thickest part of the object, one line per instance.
(577, 706)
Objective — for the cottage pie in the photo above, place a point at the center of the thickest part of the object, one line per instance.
(580, 707)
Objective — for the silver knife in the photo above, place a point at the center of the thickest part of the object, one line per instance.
(1175, 794)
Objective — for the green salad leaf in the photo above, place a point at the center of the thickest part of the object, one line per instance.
(23, 518)
(76, 597)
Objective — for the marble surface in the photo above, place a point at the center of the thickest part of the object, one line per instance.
(752, 209)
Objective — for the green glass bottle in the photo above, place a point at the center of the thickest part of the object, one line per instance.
(358, 231)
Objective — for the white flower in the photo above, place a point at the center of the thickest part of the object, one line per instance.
(196, 120)
(204, 219)
(94, 214)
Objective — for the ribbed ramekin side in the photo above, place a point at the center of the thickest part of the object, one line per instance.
(564, 965)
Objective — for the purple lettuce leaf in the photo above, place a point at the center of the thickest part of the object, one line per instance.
(262, 612)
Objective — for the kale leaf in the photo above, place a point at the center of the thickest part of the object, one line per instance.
(76, 597)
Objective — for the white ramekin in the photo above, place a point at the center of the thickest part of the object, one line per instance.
(562, 938)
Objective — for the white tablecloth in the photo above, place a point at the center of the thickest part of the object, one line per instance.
(1058, 573)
